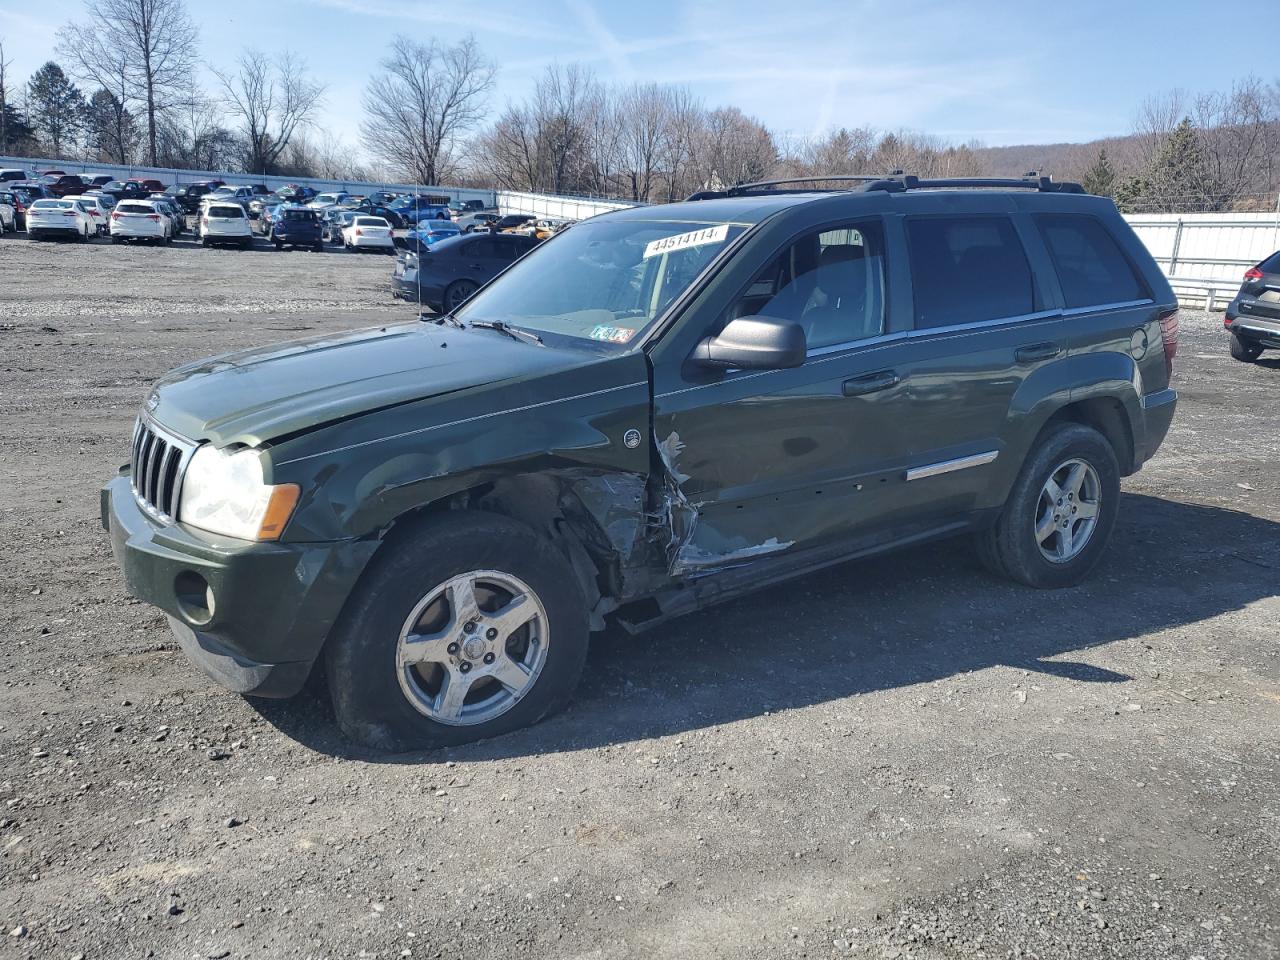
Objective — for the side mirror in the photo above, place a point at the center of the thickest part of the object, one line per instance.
(754, 343)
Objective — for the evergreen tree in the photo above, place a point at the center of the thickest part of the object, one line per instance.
(56, 107)
(1179, 177)
(111, 131)
(1100, 179)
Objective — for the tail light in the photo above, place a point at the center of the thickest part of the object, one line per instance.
(68, 213)
(154, 216)
(117, 216)
(1169, 336)
(1253, 273)
(205, 221)
(359, 232)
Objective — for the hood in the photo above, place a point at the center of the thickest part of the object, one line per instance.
(258, 395)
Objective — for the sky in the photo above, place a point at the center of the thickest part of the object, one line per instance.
(1001, 73)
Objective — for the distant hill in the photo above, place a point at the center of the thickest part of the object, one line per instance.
(1062, 161)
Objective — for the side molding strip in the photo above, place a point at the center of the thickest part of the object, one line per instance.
(950, 466)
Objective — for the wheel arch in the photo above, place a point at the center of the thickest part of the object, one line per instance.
(594, 518)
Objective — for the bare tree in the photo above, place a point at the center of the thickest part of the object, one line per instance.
(425, 98)
(273, 97)
(95, 59)
(158, 42)
(644, 122)
(4, 101)
(1157, 117)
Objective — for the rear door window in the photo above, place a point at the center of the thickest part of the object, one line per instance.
(968, 269)
(1090, 266)
(1271, 264)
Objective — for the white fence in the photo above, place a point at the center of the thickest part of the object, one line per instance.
(1205, 254)
(552, 207)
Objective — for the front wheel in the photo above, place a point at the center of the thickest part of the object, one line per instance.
(1060, 512)
(471, 627)
(1246, 351)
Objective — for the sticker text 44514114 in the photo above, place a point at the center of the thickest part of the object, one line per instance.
(682, 241)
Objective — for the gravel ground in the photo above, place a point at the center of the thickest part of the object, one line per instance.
(902, 758)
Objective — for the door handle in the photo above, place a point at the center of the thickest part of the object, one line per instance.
(880, 380)
(1036, 352)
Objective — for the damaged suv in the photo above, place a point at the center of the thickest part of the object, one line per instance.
(660, 409)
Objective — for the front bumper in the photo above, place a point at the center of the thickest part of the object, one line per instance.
(273, 603)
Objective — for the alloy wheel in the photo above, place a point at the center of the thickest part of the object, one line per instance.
(1067, 511)
(472, 648)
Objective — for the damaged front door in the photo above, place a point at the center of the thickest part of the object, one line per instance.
(761, 463)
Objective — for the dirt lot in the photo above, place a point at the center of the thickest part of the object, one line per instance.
(902, 758)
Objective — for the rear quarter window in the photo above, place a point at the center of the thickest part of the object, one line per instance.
(1271, 264)
(1092, 270)
(967, 269)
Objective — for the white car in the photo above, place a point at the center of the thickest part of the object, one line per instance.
(98, 212)
(225, 223)
(323, 200)
(66, 218)
(229, 192)
(8, 211)
(368, 232)
(140, 220)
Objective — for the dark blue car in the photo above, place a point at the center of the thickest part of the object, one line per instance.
(296, 227)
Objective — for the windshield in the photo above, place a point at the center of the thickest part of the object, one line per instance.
(604, 280)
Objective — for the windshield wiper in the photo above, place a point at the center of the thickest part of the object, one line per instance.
(441, 318)
(515, 333)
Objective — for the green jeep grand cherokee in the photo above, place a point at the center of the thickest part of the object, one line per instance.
(659, 409)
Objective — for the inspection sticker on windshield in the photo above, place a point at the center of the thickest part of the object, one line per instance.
(612, 334)
(681, 241)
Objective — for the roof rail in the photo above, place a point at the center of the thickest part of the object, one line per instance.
(897, 182)
(739, 189)
(1030, 182)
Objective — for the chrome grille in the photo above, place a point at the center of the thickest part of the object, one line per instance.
(157, 464)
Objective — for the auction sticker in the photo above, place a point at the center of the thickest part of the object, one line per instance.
(612, 334)
(682, 241)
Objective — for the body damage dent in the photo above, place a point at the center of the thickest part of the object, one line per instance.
(695, 548)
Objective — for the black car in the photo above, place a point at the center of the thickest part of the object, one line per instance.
(661, 409)
(25, 193)
(189, 195)
(1253, 317)
(444, 275)
(297, 227)
(376, 209)
(126, 190)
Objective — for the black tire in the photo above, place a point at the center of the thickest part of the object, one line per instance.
(318, 248)
(1010, 549)
(204, 241)
(1245, 351)
(360, 657)
(458, 292)
(279, 245)
(246, 244)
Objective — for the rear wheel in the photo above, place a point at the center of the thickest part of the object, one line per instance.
(458, 292)
(1246, 351)
(1060, 512)
(474, 628)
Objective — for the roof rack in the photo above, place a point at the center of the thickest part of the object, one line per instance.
(1032, 181)
(898, 182)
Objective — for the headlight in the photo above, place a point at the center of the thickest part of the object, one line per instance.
(223, 493)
